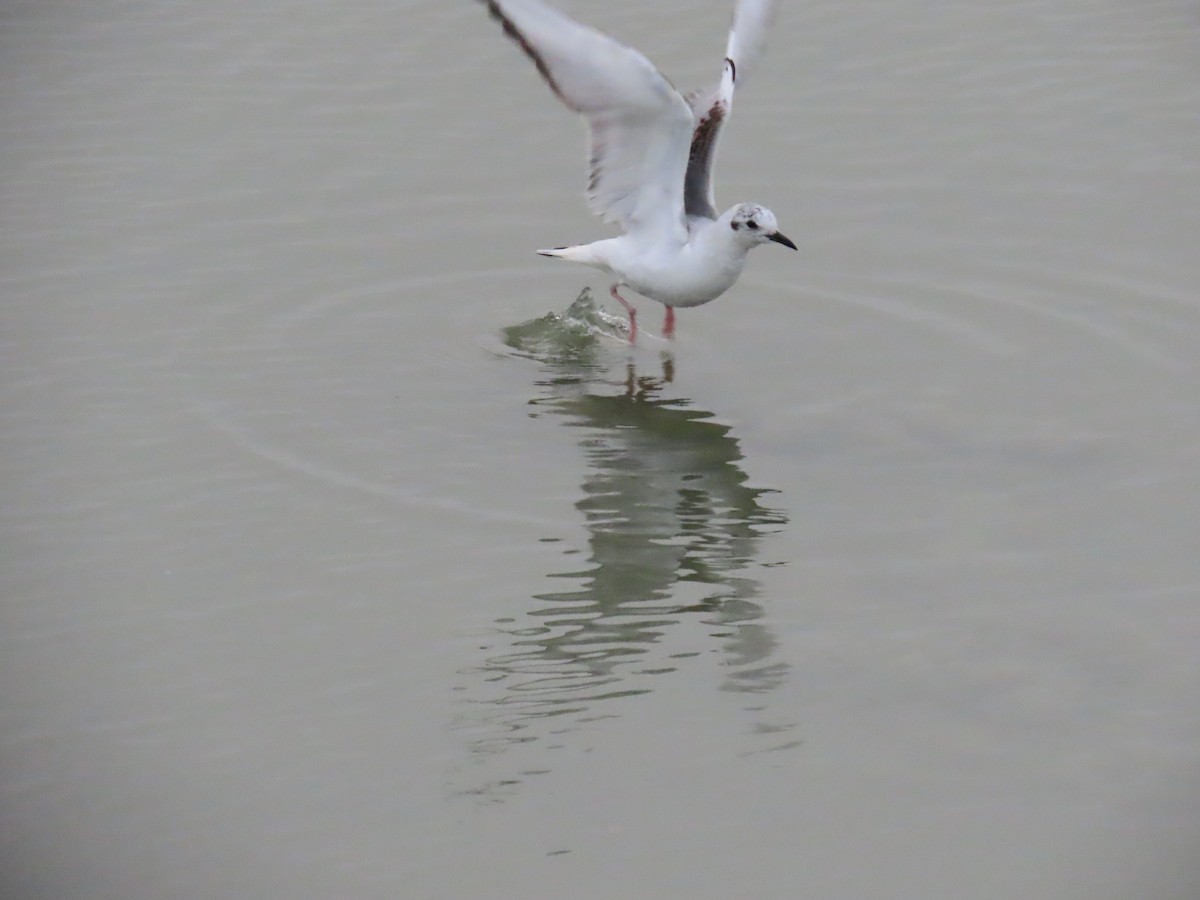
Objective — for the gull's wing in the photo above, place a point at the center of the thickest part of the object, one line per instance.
(641, 127)
(751, 21)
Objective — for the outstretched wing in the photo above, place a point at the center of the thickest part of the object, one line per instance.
(710, 108)
(640, 126)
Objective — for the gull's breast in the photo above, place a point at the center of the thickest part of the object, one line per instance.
(688, 277)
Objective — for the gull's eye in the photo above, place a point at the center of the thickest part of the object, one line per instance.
(752, 225)
(735, 225)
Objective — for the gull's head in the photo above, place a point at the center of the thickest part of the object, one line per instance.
(752, 225)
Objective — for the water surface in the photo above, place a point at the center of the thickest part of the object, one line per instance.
(343, 558)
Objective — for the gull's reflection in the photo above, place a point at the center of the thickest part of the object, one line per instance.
(666, 579)
(673, 529)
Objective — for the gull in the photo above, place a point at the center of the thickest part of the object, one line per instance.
(652, 153)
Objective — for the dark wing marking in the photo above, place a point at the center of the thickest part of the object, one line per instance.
(710, 109)
(521, 41)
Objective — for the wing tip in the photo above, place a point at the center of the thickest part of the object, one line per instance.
(518, 37)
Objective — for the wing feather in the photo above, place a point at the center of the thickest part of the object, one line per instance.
(710, 108)
(640, 126)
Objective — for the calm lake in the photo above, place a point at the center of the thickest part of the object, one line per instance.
(342, 558)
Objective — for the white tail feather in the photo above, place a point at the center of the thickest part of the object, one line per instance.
(581, 253)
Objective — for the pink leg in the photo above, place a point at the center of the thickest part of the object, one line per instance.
(629, 309)
(669, 324)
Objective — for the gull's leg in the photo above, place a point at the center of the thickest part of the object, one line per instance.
(629, 309)
(669, 324)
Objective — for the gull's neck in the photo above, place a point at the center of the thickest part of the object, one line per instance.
(714, 239)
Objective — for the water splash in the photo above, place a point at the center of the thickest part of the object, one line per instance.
(572, 337)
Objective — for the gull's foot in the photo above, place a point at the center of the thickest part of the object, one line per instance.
(629, 308)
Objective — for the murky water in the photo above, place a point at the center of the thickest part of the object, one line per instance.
(343, 557)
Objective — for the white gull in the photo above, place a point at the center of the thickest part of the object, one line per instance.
(652, 153)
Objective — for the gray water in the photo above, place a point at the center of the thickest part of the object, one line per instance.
(342, 559)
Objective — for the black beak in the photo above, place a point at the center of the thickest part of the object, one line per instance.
(781, 238)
